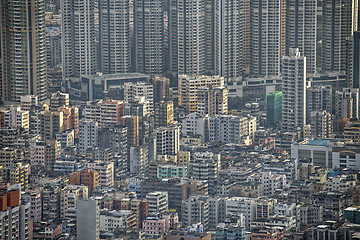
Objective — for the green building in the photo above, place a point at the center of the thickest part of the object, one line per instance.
(274, 107)
(352, 215)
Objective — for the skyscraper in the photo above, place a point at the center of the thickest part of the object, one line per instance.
(187, 36)
(294, 91)
(23, 49)
(228, 38)
(356, 61)
(149, 36)
(78, 38)
(336, 31)
(114, 36)
(301, 28)
(267, 37)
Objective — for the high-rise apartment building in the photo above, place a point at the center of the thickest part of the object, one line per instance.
(78, 38)
(321, 124)
(53, 48)
(273, 107)
(356, 61)
(337, 26)
(318, 98)
(228, 38)
(161, 90)
(14, 215)
(139, 92)
(188, 86)
(88, 135)
(149, 36)
(205, 166)
(301, 26)
(294, 91)
(212, 101)
(51, 123)
(267, 37)
(105, 112)
(189, 43)
(167, 140)
(132, 124)
(114, 36)
(164, 114)
(23, 49)
(347, 103)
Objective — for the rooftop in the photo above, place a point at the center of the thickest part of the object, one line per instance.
(319, 142)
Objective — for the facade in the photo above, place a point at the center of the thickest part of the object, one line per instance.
(229, 39)
(195, 210)
(106, 172)
(237, 206)
(149, 36)
(28, 101)
(43, 153)
(321, 124)
(158, 202)
(114, 36)
(51, 202)
(187, 23)
(171, 171)
(53, 48)
(34, 198)
(59, 99)
(167, 140)
(318, 98)
(194, 124)
(188, 86)
(51, 123)
(105, 112)
(133, 131)
(205, 166)
(230, 128)
(271, 182)
(16, 118)
(88, 178)
(139, 92)
(273, 107)
(14, 215)
(294, 91)
(347, 103)
(139, 160)
(301, 26)
(88, 219)
(336, 31)
(327, 153)
(78, 38)
(88, 135)
(161, 89)
(212, 101)
(267, 37)
(23, 50)
(164, 114)
(356, 61)
(69, 196)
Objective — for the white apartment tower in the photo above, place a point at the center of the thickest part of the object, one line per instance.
(149, 36)
(114, 36)
(187, 36)
(88, 135)
(336, 30)
(228, 38)
(23, 49)
(78, 38)
(301, 27)
(294, 91)
(267, 31)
